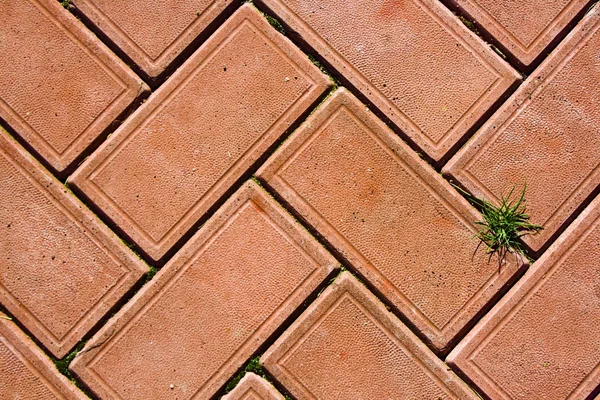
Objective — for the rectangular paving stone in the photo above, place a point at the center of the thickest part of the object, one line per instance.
(152, 33)
(390, 215)
(210, 308)
(547, 135)
(26, 372)
(184, 148)
(253, 387)
(525, 29)
(346, 345)
(60, 87)
(417, 63)
(61, 269)
(542, 340)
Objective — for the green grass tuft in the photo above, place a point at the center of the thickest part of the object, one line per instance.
(503, 226)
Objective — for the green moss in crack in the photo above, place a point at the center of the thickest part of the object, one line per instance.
(252, 366)
(66, 4)
(275, 24)
(151, 272)
(469, 24)
(321, 67)
(62, 365)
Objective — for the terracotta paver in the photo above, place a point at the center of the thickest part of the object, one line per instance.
(152, 33)
(547, 135)
(60, 87)
(542, 341)
(413, 59)
(346, 345)
(26, 372)
(183, 149)
(61, 269)
(390, 215)
(524, 29)
(210, 308)
(253, 387)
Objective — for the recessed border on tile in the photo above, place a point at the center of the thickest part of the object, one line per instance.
(457, 168)
(250, 194)
(133, 268)
(82, 179)
(507, 77)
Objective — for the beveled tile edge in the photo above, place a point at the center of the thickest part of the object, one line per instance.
(40, 364)
(135, 89)
(94, 228)
(152, 67)
(268, 174)
(457, 168)
(156, 250)
(523, 56)
(346, 283)
(460, 358)
(250, 191)
(253, 383)
(508, 76)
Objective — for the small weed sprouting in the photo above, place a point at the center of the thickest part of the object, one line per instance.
(66, 4)
(503, 226)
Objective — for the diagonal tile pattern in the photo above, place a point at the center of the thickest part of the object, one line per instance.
(200, 132)
(239, 95)
(211, 307)
(61, 269)
(524, 348)
(26, 372)
(427, 95)
(60, 87)
(348, 346)
(360, 186)
(524, 29)
(152, 33)
(548, 132)
(253, 387)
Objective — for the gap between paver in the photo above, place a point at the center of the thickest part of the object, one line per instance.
(250, 172)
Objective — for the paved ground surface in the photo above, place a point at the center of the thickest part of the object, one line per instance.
(205, 199)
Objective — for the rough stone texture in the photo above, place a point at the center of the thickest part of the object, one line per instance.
(524, 28)
(61, 269)
(410, 59)
(182, 150)
(152, 33)
(547, 135)
(210, 308)
(348, 346)
(253, 387)
(60, 87)
(25, 371)
(404, 228)
(542, 341)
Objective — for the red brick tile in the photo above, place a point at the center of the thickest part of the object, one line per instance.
(61, 269)
(547, 135)
(403, 227)
(348, 346)
(26, 372)
(523, 28)
(253, 387)
(210, 308)
(152, 33)
(542, 340)
(200, 132)
(60, 87)
(413, 59)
